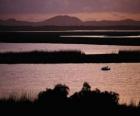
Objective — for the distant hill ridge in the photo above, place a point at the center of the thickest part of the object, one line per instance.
(64, 20)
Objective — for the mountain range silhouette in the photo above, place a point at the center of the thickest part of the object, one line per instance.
(65, 20)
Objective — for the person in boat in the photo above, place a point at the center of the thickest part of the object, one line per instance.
(105, 68)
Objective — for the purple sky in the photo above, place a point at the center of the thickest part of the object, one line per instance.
(85, 9)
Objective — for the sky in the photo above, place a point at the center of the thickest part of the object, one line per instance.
(36, 10)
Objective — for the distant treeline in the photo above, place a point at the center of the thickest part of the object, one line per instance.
(62, 28)
(56, 37)
(57, 101)
(68, 57)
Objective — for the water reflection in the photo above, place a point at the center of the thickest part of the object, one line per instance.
(98, 36)
(122, 78)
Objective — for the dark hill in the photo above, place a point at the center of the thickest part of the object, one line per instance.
(64, 20)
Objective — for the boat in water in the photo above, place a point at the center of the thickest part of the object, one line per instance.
(106, 68)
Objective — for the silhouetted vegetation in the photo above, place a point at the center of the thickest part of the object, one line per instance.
(63, 28)
(68, 57)
(55, 37)
(57, 101)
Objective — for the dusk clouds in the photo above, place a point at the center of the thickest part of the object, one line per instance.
(68, 6)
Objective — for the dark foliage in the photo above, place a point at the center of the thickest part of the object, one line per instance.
(56, 101)
(67, 57)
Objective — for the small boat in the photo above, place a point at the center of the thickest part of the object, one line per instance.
(106, 68)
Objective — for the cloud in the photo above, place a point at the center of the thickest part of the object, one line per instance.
(68, 6)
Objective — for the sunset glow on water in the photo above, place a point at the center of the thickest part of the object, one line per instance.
(122, 78)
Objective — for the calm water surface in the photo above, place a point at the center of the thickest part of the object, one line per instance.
(122, 78)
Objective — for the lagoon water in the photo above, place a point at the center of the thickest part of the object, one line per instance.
(123, 78)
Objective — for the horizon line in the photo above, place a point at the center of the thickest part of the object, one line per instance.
(17, 19)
